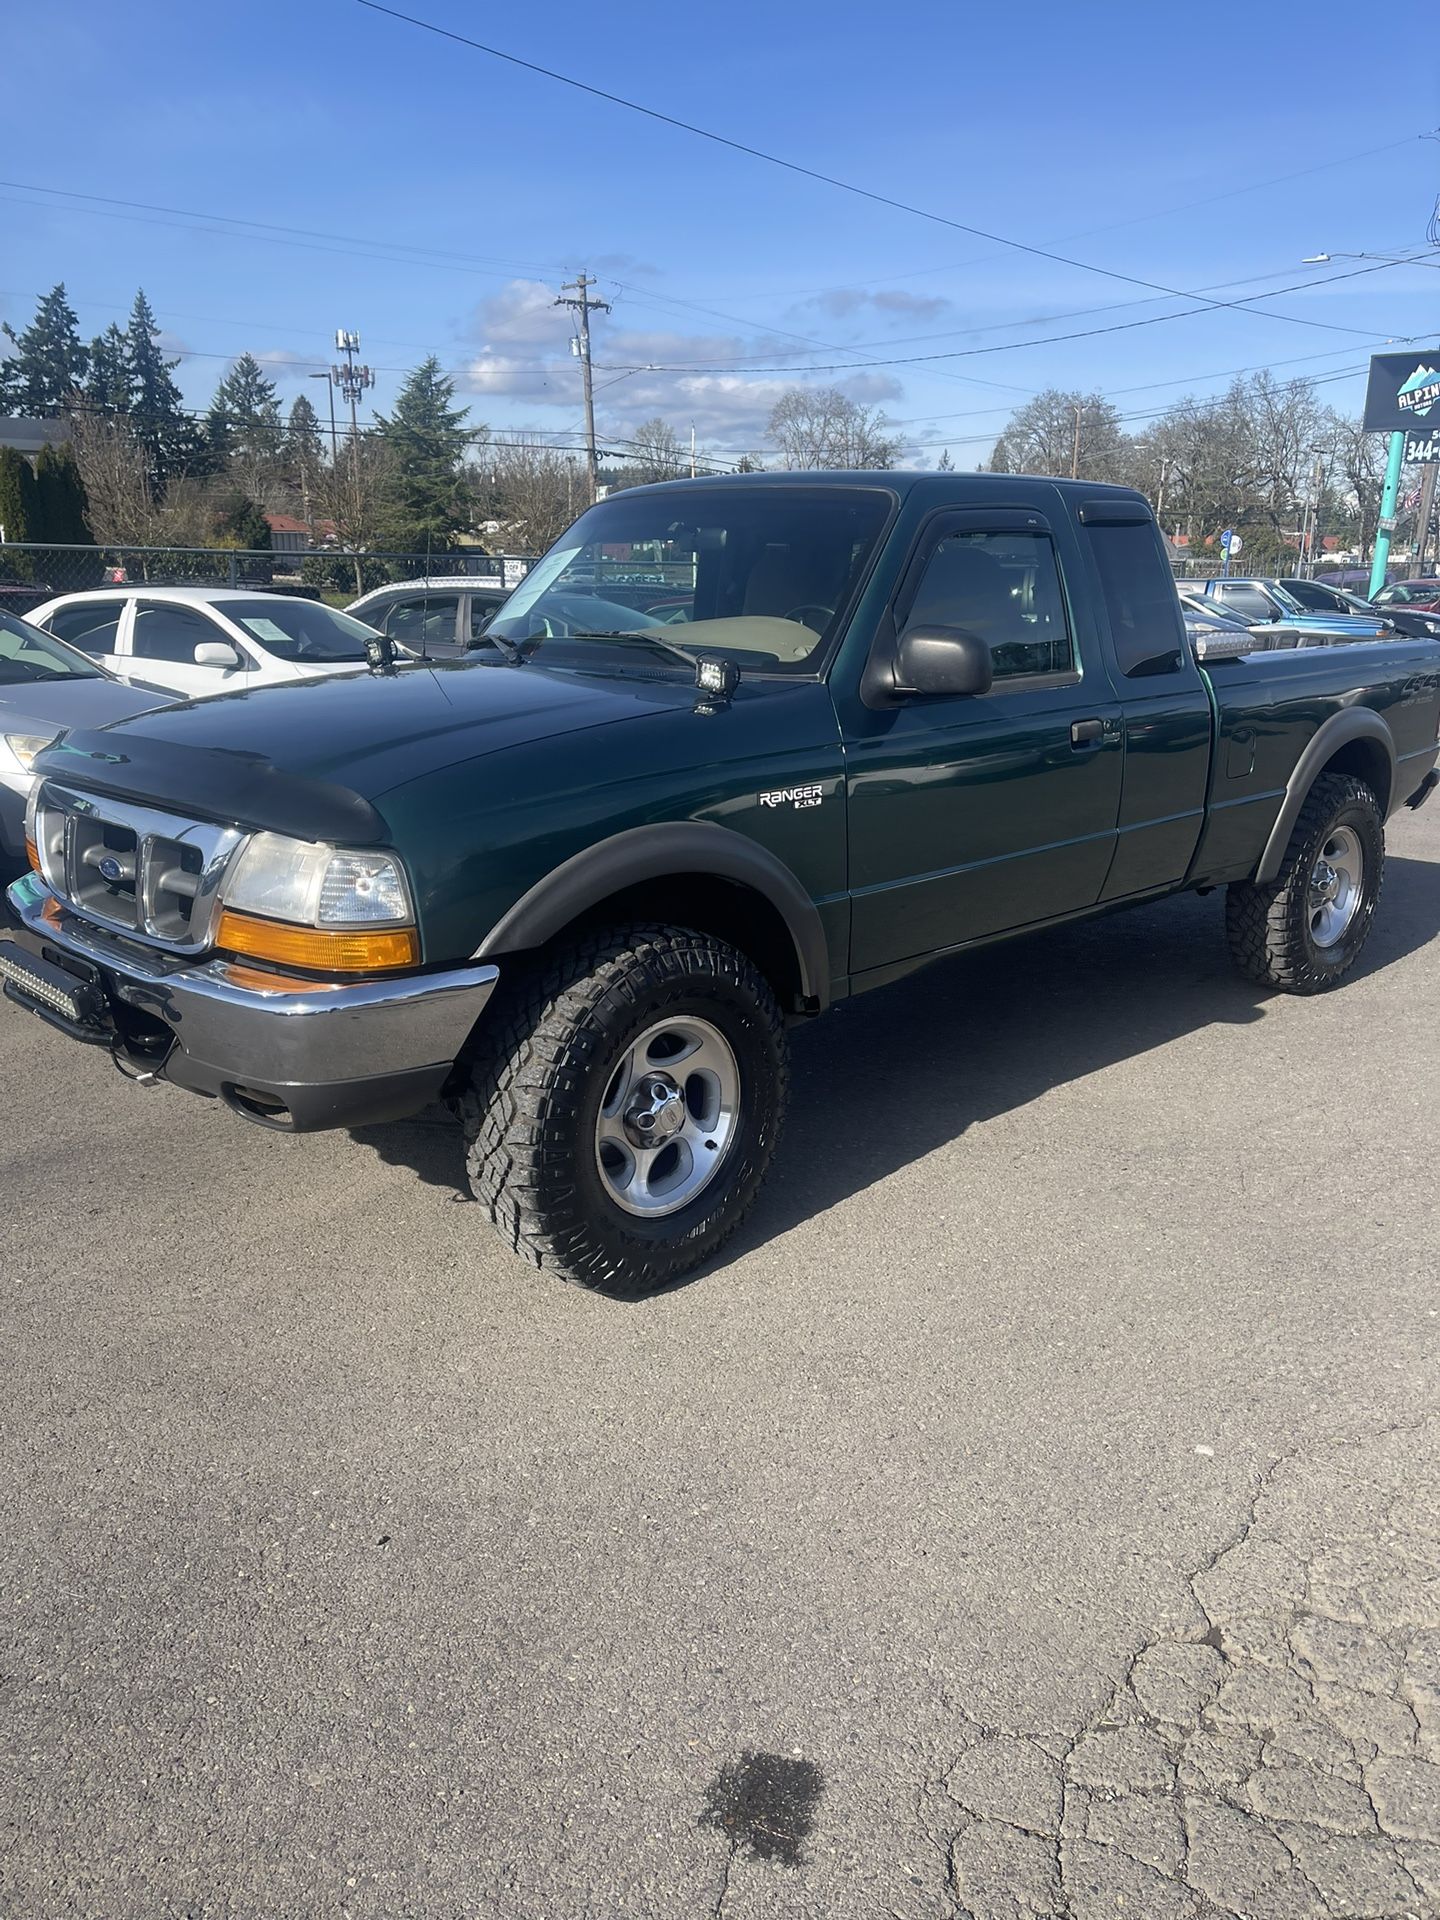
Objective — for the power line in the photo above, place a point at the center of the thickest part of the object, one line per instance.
(830, 180)
(1112, 226)
(1006, 346)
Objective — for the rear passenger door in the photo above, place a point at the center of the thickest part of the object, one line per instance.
(971, 815)
(94, 627)
(1167, 720)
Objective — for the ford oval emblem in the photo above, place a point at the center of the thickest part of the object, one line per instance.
(111, 869)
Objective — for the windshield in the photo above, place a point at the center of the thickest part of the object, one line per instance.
(758, 575)
(300, 629)
(27, 654)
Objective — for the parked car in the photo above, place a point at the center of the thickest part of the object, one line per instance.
(198, 640)
(1266, 603)
(22, 596)
(1423, 594)
(580, 888)
(1317, 597)
(441, 618)
(46, 687)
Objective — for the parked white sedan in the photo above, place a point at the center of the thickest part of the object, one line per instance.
(197, 640)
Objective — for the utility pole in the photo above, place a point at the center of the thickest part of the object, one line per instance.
(1427, 509)
(1075, 448)
(692, 449)
(585, 305)
(352, 382)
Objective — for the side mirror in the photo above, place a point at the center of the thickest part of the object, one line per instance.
(217, 653)
(942, 660)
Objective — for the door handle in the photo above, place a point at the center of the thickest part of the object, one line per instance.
(1084, 732)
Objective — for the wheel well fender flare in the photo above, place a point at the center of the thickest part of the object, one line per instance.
(668, 849)
(1355, 724)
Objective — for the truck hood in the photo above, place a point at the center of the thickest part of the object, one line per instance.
(313, 757)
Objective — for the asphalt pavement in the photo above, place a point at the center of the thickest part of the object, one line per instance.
(1035, 1513)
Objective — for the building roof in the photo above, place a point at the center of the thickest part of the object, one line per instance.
(285, 523)
(29, 436)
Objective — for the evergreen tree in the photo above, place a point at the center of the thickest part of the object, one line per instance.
(243, 429)
(304, 452)
(60, 493)
(426, 436)
(109, 384)
(19, 514)
(48, 363)
(242, 523)
(170, 439)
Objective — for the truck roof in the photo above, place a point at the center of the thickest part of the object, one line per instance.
(902, 480)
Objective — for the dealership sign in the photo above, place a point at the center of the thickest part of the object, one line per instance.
(1423, 446)
(1403, 389)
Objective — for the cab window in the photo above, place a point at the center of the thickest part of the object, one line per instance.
(1004, 588)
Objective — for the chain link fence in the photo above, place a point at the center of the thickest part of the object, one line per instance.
(31, 573)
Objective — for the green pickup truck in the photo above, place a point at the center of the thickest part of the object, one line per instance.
(735, 749)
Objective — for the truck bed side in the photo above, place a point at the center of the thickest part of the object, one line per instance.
(1270, 707)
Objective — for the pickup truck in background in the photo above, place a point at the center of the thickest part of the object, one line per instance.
(579, 885)
(1270, 607)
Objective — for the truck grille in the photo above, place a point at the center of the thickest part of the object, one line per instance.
(153, 875)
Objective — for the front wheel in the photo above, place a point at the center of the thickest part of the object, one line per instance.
(625, 1105)
(1304, 930)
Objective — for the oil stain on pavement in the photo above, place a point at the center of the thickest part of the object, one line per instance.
(766, 1802)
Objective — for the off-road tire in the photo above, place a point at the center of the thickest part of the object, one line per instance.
(549, 1042)
(1268, 926)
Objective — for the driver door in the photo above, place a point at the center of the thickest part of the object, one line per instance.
(971, 815)
(163, 639)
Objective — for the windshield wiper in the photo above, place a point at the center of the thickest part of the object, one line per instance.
(643, 638)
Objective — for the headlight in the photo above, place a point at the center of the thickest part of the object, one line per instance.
(318, 886)
(23, 747)
(316, 906)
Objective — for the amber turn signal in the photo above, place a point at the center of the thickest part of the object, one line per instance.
(323, 949)
(32, 854)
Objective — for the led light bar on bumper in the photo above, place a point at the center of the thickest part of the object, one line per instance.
(297, 903)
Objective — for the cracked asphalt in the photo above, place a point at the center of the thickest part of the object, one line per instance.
(1035, 1516)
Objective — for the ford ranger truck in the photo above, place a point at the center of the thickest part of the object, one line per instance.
(735, 749)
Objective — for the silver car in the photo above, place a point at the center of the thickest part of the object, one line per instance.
(46, 687)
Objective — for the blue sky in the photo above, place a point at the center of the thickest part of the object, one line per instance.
(446, 195)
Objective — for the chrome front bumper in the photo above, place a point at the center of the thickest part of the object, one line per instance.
(288, 1054)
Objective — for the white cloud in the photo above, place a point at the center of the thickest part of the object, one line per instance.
(523, 362)
(893, 303)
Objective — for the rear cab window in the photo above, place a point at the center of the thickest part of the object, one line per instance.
(1137, 585)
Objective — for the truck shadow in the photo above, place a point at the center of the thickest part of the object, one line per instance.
(890, 1076)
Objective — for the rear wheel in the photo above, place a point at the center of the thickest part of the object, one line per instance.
(1304, 930)
(623, 1113)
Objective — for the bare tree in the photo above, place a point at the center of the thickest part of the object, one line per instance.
(1059, 432)
(823, 427)
(356, 494)
(534, 492)
(114, 469)
(656, 453)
